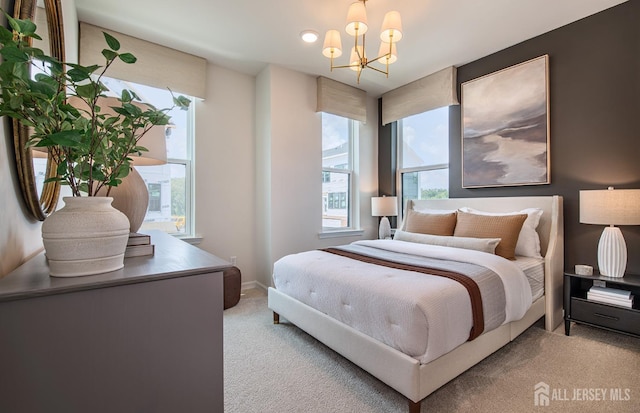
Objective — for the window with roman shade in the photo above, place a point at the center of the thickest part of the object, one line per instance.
(156, 70)
(342, 100)
(431, 92)
(157, 65)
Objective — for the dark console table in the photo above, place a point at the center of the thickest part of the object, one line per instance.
(147, 338)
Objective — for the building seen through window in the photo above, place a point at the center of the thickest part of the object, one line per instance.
(169, 185)
(423, 141)
(337, 172)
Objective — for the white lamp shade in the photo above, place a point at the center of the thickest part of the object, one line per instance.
(357, 19)
(154, 140)
(354, 59)
(384, 50)
(332, 46)
(391, 27)
(610, 207)
(384, 206)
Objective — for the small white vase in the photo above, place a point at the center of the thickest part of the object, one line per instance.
(87, 236)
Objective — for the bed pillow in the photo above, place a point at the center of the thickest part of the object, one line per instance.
(528, 241)
(433, 224)
(505, 227)
(478, 244)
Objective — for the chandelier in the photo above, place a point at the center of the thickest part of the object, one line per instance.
(357, 27)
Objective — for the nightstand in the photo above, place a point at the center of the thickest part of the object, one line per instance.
(610, 317)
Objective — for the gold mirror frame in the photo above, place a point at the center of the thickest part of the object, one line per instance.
(40, 206)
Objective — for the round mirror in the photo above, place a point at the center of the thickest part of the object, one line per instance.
(40, 198)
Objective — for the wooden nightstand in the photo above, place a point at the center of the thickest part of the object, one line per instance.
(610, 317)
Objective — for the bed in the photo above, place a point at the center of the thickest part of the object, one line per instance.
(416, 376)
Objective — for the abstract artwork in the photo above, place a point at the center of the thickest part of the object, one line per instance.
(505, 127)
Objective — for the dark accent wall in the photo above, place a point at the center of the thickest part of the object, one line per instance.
(594, 88)
(387, 159)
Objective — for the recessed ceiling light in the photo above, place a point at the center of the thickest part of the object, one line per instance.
(309, 36)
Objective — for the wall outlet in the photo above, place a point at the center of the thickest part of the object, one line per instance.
(234, 260)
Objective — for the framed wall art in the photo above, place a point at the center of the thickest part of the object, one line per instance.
(505, 127)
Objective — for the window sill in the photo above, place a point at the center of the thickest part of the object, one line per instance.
(193, 240)
(341, 233)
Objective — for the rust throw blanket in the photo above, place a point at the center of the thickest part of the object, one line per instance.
(467, 282)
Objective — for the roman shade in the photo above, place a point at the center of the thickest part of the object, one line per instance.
(342, 100)
(430, 92)
(157, 65)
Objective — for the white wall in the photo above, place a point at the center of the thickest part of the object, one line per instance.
(290, 155)
(20, 236)
(225, 170)
(257, 172)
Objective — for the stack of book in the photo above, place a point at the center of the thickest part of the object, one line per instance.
(613, 296)
(139, 245)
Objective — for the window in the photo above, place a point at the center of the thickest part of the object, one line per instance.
(337, 172)
(424, 155)
(170, 185)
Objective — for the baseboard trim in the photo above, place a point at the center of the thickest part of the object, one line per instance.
(249, 285)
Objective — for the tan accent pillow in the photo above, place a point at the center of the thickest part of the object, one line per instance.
(479, 244)
(505, 227)
(433, 224)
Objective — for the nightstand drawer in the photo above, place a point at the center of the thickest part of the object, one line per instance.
(617, 318)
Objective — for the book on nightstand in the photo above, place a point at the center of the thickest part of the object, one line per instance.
(139, 245)
(613, 296)
(135, 238)
(139, 250)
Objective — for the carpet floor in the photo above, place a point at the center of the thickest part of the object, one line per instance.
(280, 368)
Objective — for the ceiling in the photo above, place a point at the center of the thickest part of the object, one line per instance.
(247, 35)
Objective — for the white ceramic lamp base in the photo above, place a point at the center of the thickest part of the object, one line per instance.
(612, 253)
(384, 231)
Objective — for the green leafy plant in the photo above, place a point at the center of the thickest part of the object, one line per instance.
(91, 147)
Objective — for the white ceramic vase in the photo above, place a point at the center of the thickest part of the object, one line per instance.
(87, 236)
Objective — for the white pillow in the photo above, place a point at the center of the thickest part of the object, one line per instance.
(479, 244)
(528, 241)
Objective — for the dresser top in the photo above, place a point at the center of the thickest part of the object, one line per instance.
(173, 258)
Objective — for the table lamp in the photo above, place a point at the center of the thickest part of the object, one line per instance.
(384, 206)
(611, 207)
(131, 197)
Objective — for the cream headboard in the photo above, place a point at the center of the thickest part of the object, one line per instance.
(550, 229)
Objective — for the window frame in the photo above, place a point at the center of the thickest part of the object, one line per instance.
(423, 168)
(353, 218)
(188, 162)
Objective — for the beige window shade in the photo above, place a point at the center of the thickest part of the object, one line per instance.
(430, 92)
(157, 66)
(342, 100)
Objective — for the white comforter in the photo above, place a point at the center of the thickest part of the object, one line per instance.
(424, 316)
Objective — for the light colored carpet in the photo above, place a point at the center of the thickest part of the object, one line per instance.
(279, 368)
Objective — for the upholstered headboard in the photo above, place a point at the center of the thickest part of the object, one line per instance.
(550, 229)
